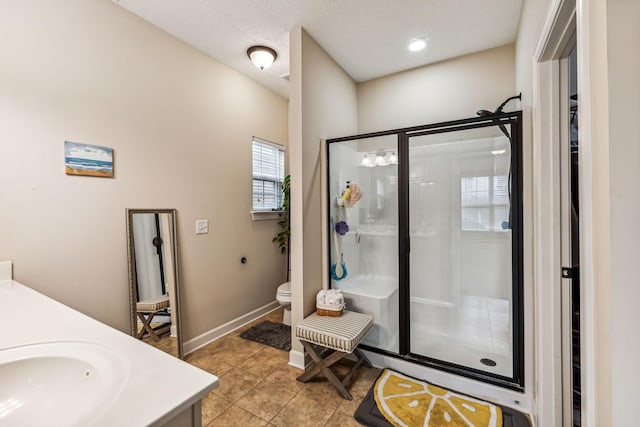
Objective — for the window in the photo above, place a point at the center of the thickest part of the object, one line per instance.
(268, 175)
(484, 203)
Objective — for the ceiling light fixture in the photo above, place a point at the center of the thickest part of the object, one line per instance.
(393, 158)
(262, 56)
(381, 158)
(369, 160)
(416, 45)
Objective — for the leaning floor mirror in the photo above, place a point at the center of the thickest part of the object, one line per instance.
(153, 278)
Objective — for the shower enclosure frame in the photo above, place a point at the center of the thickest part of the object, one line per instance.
(512, 120)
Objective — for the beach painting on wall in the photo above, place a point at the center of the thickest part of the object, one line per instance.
(88, 160)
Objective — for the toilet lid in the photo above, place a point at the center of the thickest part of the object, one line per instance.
(284, 289)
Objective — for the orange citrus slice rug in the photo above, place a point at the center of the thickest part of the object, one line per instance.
(405, 401)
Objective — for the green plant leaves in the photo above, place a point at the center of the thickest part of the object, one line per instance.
(282, 238)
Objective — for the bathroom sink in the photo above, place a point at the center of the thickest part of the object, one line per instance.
(59, 383)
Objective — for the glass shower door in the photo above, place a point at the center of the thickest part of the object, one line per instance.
(460, 263)
(363, 231)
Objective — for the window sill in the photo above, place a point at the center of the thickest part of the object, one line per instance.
(266, 215)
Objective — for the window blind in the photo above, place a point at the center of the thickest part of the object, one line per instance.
(268, 174)
(484, 202)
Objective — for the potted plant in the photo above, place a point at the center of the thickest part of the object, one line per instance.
(282, 238)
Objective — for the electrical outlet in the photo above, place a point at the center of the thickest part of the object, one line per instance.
(202, 226)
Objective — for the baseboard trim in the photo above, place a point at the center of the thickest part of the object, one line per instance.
(297, 359)
(6, 270)
(216, 333)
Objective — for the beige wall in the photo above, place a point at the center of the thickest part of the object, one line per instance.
(624, 156)
(448, 90)
(323, 105)
(180, 124)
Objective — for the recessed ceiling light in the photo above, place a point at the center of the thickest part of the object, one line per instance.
(416, 45)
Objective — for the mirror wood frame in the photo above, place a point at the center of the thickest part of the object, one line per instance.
(133, 280)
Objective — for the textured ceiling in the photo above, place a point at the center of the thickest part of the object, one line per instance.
(368, 38)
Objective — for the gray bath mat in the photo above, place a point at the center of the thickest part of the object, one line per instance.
(272, 334)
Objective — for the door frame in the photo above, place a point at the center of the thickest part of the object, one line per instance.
(566, 240)
(564, 19)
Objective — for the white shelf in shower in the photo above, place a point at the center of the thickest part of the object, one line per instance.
(377, 233)
(429, 234)
(392, 233)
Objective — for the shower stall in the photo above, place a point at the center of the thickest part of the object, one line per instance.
(425, 234)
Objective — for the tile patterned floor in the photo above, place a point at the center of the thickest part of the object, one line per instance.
(259, 388)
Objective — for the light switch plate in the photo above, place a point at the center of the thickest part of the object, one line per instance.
(202, 226)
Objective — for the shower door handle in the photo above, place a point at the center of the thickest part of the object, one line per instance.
(567, 273)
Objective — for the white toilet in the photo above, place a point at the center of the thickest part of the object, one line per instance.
(283, 296)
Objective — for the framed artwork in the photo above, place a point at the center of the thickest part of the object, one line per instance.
(88, 160)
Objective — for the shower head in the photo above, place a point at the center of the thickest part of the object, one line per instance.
(499, 109)
(486, 113)
(504, 130)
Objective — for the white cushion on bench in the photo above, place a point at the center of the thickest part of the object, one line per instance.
(342, 333)
(153, 304)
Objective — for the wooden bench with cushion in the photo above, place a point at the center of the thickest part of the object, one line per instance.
(146, 310)
(340, 334)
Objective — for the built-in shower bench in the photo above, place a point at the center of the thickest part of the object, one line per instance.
(340, 334)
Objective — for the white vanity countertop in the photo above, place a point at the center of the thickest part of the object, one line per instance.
(158, 386)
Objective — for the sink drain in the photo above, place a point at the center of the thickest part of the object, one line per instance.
(488, 362)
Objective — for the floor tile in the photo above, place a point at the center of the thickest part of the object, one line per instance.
(364, 379)
(256, 366)
(211, 347)
(265, 400)
(236, 416)
(234, 350)
(340, 419)
(266, 361)
(302, 411)
(236, 384)
(211, 365)
(274, 316)
(212, 406)
(244, 345)
(286, 378)
(349, 407)
(277, 353)
(322, 392)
